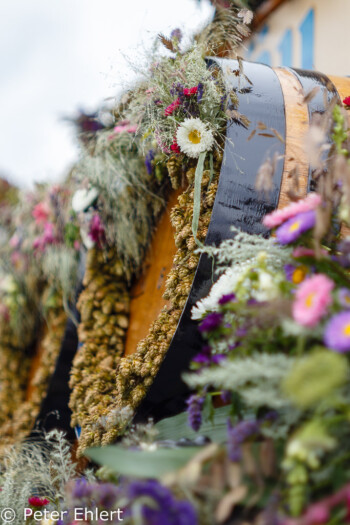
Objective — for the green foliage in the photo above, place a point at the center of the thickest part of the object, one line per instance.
(315, 377)
(188, 69)
(256, 379)
(340, 134)
(71, 234)
(245, 247)
(130, 200)
(174, 428)
(60, 267)
(140, 463)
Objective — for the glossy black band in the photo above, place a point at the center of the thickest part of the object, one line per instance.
(237, 203)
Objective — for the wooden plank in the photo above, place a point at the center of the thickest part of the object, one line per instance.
(297, 123)
(343, 87)
(147, 294)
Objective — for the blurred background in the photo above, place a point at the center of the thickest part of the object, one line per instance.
(59, 56)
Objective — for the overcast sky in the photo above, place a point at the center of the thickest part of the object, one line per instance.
(59, 55)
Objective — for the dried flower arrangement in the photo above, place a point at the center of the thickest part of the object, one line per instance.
(40, 251)
(164, 122)
(277, 330)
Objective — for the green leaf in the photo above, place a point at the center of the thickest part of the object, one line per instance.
(140, 463)
(177, 427)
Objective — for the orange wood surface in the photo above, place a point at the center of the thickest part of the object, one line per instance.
(342, 85)
(35, 363)
(297, 123)
(147, 294)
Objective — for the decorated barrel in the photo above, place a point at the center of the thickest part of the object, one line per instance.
(280, 104)
(145, 335)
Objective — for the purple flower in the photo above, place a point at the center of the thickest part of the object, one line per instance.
(218, 358)
(148, 161)
(176, 33)
(237, 435)
(177, 90)
(227, 298)
(223, 102)
(211, 322)
(205, 357)
(200, 92)
(202, 359)
(344, 297)
(291, 230)
(252, 302)
(289, 270)
(163, 508)
(337, 332)
(226, 396)
(271, 416)
(344, 247)
(81, 489)
(194, 412)
(97, 230)
(241, 331)
(106, 495)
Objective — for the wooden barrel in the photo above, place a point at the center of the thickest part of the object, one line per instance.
(276, 98)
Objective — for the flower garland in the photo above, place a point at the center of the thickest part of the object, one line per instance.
(102, 401)
(21, 405)
(104, 309)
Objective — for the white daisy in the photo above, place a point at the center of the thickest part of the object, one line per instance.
(83, 198)
(193, 137)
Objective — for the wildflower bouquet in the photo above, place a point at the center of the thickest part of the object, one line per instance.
(276, 326)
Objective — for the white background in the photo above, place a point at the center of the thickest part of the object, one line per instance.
(60, 55)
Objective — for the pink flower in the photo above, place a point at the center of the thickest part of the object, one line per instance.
(161, 144)
(41, 212)
(277, 217)
(35, 501)
(175, 147)
(312, 299)
(190, 91)
(301, 251)
(124, 126)
(173, 106)
(97, 230)
(15, 241)
(48, 237)
(318, 514)
(346, 101)
(49, 233)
